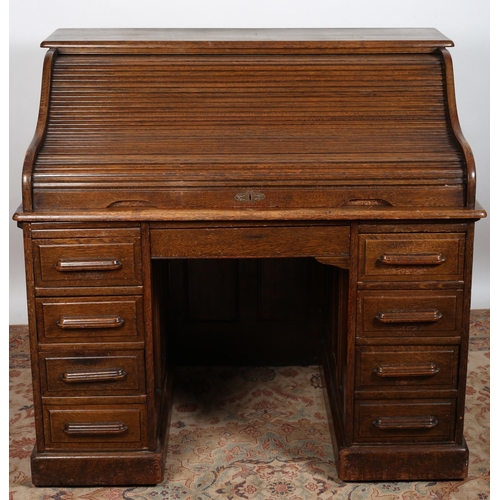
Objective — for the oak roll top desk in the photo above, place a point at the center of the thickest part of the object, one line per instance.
(248, 196)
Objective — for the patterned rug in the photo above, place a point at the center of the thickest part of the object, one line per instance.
(255, 434)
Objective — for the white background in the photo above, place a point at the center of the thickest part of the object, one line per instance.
(466, 22)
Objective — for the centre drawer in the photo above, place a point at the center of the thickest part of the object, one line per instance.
(255, 242)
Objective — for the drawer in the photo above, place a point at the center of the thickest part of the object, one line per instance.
(409, 313)
(95, 427)
(410, 257)
(299, 241)
(404, 421)
(426, 367)
(89, 319)
(87, 262)
(111, 373)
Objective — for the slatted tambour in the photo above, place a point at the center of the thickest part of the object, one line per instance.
(337, 128)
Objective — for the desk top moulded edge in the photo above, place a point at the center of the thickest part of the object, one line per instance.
(338, 214)
(231, 41)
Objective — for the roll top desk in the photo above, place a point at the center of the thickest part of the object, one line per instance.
(248, 197)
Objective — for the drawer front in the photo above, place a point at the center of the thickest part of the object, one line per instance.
(87, 261)
(409, 313)
(89, 320)
(115, 373)
(99, 427)
(255, 242)
(410, 257)
(404, 422)
(404, 367)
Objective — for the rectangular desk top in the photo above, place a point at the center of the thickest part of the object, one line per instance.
(322, 40)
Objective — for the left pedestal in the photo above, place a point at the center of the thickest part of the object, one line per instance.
(97, 409)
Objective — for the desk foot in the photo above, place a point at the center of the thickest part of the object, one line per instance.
(400, 463)
(97, 469)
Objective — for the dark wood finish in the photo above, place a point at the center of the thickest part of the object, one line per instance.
(248, 196)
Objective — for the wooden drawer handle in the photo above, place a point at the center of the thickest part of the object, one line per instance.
(68, 322)
(370, 202)
(395, 423)
(253, 236)
(95, 428)
(418, 259)
(105, 375)
(430, 316)
(64, 265)
(414, 370)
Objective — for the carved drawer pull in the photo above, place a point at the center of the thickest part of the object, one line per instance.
(430, 316)
(394, 423)
(370, 202)
(68, 322)
(253, 236)
(418, 259)
(105, 375)
(95, 428)
(414, 370)
(111, 264)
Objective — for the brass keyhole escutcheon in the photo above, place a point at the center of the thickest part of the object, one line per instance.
(249, 196)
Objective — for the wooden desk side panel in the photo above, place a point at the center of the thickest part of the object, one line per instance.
(40, 131)
(33, 336)
(470, 199)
